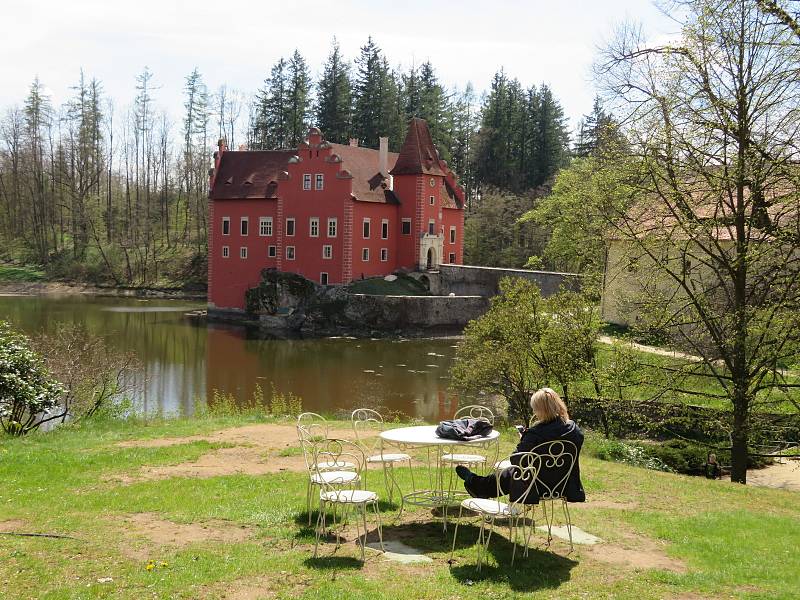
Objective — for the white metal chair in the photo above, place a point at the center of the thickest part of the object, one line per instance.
(473, 411)
(312, 429)
(366, 419)
(332, 492)
(522, 477)
(558, 459)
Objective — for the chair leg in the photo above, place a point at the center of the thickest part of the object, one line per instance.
(308, 501)
(320, 526)
(386, 481)
(455, 534)
(569, 523)
(380, 529)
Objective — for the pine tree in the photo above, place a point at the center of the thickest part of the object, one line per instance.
(271, 127)
(368, 105)
(298, 104)
(334, 96)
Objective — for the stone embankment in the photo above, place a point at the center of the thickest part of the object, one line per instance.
(59, 288)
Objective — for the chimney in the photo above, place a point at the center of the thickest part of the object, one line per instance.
(354, 142)
(383, 155)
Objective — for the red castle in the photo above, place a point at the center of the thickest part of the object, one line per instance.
(330, 212)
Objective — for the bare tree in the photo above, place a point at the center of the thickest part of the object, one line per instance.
(715, 230)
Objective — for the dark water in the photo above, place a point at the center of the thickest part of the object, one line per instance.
(182, 363)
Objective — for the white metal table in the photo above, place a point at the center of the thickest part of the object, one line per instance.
(424, 437)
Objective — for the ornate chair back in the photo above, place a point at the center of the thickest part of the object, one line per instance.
(337, 456)
(475, 411)
(311, 428)
(365, 420)
(558, 458)
(524, 471)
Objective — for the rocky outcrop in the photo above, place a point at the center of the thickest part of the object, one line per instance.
(285, 303)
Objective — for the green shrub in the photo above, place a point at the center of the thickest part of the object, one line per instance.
(631, 454)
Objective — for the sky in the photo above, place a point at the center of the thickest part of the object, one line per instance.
(235, 42)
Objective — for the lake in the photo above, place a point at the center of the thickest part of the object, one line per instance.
(183, 362)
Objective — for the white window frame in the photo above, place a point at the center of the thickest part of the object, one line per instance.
(433, 200)
(294, 227)
(290, 250)
(265, 226)
(272, 251)
(385, 229)
(366, 222)
(327, 248)
(452, 234)
(306, 182)
(384, 254)
(242, 222)
(226, 221)
(321, 277)
(319, 181)
(403, 222)
(243, 252)
(226, 252)
(365, 254)
(335, 222)
(313, 223)
(431, 227)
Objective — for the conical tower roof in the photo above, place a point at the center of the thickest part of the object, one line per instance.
(418, 154)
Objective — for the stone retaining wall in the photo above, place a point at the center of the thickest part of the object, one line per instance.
(414, 312)
(464, 280)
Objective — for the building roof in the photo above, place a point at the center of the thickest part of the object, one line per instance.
(367, 180)
(418, 154)
(249, 174)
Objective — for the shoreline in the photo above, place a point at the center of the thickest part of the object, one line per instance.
(61, 288)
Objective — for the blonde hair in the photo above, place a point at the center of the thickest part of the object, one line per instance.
(548, 405)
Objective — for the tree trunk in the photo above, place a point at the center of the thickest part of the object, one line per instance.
(739, 437)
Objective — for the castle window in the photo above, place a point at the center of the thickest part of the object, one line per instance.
(405, 227)
(384, 254)
(226, 225)
(243, 252)
(431, 227)
(272, 252)
(433, 200)
(313, 227)
(327, 251)
(226, 252)
(452, 257)
(323, 278)
(307, 181)
(452, 235)
(365, 254)
(265, 226)
(244, 225)
(365, 231)
(332, 227)
(289, 252)
(290, 227)
(320, 181)
(385, 229)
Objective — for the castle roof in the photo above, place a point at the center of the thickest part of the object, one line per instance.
(418, 154)
(249, 174)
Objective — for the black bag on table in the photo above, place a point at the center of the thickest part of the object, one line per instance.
(464, 430)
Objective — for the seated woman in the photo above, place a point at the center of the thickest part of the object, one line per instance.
(552, 424)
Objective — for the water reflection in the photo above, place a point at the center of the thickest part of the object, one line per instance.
(183, 363)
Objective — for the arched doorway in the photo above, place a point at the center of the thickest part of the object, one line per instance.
(431, 262)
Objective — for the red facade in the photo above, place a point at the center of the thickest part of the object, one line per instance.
(330, 212)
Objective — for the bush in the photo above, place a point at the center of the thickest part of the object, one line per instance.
(29, 396)
(630, 454)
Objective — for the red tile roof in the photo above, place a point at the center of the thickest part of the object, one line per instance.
(249, 174)
(418, 154)
(363, 165)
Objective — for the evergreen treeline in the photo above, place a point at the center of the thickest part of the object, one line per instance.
(90, 191)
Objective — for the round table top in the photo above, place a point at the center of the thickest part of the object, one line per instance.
(425, 435)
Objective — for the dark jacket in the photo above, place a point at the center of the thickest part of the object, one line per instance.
(548, 432)
(464, 429)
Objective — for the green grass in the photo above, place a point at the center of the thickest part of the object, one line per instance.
(20, 274)
(402, 286)
(733, 541)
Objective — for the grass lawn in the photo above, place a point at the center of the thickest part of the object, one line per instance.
(18, 274)
(243, 535)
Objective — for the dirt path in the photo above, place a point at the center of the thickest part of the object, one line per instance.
(782, 476)
(255, 450)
